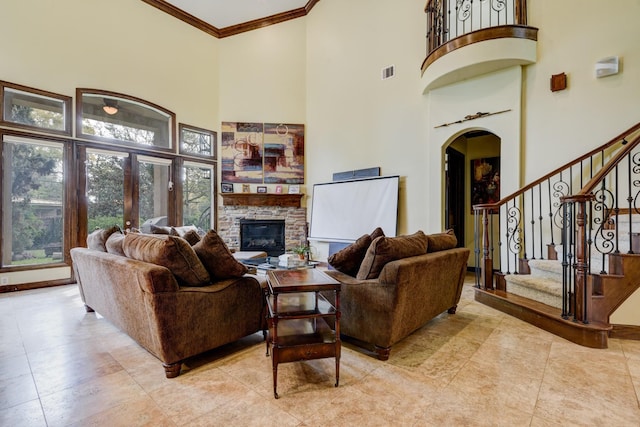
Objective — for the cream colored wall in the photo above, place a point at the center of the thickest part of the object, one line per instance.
(355, 119)
(263, 76)
(124, 46)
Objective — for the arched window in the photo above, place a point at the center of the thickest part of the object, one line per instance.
(112, 117)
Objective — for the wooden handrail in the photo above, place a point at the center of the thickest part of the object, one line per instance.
(610, 143)
(598, 177)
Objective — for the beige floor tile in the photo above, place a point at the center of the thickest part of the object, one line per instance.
(89, 398)
(455, 407)
(630, 348)
(27, 414)
(253, 410)
(589, 393)
(512, 387)
(189, 396)
(69, 365)
(16, 390)
(141, 412)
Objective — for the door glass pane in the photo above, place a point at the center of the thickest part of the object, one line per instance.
(197, 195)
(105, 191)
(154, 184)
(32, 202)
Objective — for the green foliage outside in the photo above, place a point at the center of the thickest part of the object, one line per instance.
(36, 194)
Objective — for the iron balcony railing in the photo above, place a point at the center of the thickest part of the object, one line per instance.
(448, 19)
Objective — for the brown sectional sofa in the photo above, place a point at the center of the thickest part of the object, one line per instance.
(408, 291)
(171, 320)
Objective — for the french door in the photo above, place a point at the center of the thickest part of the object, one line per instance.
(125, 189)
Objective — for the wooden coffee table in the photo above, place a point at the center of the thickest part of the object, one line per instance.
(303, 324)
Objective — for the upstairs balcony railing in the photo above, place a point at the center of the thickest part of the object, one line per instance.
(449, 20)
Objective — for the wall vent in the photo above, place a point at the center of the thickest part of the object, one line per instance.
(388, 72)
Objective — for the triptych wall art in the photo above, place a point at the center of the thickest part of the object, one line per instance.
(262, 153)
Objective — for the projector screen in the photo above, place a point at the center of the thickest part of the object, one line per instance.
(345, 210)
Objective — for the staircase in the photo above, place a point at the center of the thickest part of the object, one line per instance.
(544, 281)
(563, 252)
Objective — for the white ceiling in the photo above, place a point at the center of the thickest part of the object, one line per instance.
(224, 13)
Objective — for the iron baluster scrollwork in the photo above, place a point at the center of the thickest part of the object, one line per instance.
(463, 10)
(514, 232)
(635, 159)
(560, 189)
(603, 239)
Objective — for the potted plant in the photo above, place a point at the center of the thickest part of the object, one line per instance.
(301, 250)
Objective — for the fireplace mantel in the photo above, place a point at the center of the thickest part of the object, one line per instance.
(261, 199)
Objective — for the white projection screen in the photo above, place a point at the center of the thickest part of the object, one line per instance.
(345, 210)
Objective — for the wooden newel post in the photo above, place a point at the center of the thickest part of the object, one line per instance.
(582, 284)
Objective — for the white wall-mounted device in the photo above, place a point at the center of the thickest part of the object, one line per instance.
(607, 67)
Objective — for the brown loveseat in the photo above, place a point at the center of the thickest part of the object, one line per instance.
(172, 319)
(400, 284)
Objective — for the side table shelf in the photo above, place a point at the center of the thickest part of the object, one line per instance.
(303, 324)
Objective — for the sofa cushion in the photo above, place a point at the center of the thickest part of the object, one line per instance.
(171, 252)
(217, 258)
(441, 241)
(385, 249)
(98, 238)
(114, 244)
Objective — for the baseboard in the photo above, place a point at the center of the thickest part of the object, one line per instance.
(625, 332)
(35, 285)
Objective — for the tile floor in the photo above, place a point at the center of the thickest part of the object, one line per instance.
(60, 366)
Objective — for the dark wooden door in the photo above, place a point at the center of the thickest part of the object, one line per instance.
(454, 193)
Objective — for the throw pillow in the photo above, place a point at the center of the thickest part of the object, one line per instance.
(97, 239)
(217, 258)
(348, 260)
(192, 237)
(182, 230)
(386, 249)
(441, 241)
(376, 233)
(159, 229)
(114, 244)
(168, 251)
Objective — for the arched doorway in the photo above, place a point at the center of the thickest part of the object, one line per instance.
(472, 175)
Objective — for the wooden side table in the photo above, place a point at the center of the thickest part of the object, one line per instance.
(303, 324)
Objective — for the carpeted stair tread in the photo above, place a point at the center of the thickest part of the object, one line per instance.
(546, 268)
(540, 284)
(544, 290)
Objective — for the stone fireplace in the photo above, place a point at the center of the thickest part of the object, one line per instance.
(239, 206)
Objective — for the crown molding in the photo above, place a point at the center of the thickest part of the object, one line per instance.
(233, 29)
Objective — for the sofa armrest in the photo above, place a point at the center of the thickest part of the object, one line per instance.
(155, 278)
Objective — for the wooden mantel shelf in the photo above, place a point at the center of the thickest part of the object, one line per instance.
(261, 199)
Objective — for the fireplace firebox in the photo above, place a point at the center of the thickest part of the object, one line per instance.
(262, 235)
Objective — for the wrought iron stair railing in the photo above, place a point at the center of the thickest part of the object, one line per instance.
(577, 206)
